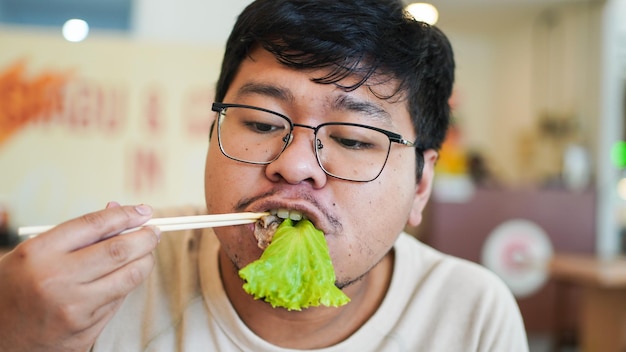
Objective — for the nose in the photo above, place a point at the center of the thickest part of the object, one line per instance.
(298, 162)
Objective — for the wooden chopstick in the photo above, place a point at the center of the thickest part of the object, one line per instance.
(174, 223)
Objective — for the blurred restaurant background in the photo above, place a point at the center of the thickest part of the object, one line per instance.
(110, 100)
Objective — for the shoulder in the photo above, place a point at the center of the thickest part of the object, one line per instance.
(442, 269)
(447, 292)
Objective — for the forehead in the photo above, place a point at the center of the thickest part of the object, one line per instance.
(262, 78)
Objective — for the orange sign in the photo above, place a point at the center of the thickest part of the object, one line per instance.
(24, 99)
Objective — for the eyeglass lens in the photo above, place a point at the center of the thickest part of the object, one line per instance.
(345, 151)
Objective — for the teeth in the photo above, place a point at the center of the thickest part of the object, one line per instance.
(295, 216)
(286, 213)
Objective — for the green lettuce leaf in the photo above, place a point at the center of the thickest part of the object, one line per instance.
(295, 271)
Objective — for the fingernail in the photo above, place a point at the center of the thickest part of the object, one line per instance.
(112, 205)
(143, 209)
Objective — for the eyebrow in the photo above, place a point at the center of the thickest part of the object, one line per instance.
(267, 90)
(347, 102)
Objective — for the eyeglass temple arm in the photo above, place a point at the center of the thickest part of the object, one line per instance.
(403, 141)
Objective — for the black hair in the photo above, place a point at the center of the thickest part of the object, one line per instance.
(373, 40)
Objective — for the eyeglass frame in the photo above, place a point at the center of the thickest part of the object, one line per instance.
(393, 137)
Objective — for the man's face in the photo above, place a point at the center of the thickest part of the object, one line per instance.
(360, 220)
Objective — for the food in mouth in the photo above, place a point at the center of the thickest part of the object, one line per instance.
(266, 226)
(264, 230)
(295, 270)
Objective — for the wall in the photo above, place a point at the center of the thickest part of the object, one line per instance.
(129, 123)
(185, 21)
(512, 68)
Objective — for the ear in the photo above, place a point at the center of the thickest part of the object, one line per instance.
(423, 187)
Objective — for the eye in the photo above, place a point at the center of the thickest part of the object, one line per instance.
(261, 127)
(353, 138)
(350, 143)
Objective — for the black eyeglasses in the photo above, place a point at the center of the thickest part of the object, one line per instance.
(348, 151)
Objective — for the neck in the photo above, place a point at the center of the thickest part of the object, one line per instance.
(316, 327)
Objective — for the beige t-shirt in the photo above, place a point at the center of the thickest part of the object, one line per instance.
(434, 303)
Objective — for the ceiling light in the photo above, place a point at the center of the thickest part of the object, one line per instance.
(423, 12)
(75, 30)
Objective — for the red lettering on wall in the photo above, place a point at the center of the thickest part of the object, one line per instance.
(153, 117)
(81, 108)
(146, 171)
(93, 107)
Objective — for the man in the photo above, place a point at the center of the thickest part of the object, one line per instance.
(330, 109)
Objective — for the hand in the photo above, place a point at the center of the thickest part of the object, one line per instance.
(59, 289)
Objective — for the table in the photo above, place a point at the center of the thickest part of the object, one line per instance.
(603, 300)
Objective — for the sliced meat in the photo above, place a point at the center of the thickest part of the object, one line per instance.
(265, 228)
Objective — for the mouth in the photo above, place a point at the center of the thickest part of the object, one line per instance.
(282, 213)
(266, 226)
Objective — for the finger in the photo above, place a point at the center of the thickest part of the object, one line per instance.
(94, 324)
(107, 311)
(104, 314)
(93, 227)
(104, 257)
(99, 316)
(118, 284)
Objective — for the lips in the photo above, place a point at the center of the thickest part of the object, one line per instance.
(292, 206)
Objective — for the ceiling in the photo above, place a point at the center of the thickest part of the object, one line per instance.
(117, 14)
(103, 14)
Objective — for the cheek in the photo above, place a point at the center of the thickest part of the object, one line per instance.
(221, 183)
(378, 212)
(387, 209)
(238, 245)
(395, 190)
(211, 180)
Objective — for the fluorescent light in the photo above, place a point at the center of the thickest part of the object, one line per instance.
(423, 12)
(75, 30)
